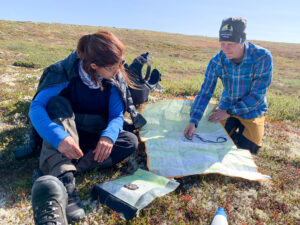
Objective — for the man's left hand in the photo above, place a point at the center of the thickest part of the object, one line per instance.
(218, 115)
(103, 149)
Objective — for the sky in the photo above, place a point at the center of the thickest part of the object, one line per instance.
(268, 20)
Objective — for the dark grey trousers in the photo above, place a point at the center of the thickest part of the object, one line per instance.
(85, 129)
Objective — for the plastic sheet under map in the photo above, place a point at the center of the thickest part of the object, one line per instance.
(211, 150)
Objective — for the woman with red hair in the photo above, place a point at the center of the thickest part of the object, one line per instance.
(78, 112)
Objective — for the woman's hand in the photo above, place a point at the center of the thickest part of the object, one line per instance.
(69, 148)
(218, 115)
(189, 130)
(103, 149)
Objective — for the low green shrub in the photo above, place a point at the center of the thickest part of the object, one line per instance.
(25, 64)
(283, 107)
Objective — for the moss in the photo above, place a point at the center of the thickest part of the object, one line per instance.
(182, 60)
(25, 64)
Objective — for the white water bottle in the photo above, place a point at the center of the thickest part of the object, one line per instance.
(220, 217)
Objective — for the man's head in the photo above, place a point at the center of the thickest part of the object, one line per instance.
(232, 36)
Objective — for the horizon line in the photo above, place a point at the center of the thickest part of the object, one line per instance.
(138, 29)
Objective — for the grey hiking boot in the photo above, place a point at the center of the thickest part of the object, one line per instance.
(49, 200)
(74, 209)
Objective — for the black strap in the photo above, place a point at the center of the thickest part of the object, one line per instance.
(148, 67)
(219, 139)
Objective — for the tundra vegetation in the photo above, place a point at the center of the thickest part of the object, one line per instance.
(26, 48)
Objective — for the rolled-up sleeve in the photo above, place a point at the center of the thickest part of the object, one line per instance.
(205, 93)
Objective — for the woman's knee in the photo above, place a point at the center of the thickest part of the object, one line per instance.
(128, 140)
(59, 107)
(133, 140)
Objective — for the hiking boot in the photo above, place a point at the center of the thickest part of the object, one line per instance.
(49, 200)
(74, 209)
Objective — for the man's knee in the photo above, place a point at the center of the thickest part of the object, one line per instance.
(251, 132)
(230, 125)
(244, 143)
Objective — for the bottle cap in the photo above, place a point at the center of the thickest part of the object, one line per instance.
(221, 212)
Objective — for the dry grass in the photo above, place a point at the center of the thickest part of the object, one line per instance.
(178, 57)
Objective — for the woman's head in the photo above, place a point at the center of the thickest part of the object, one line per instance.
(101, 54)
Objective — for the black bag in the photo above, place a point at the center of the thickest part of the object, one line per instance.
(143, 84)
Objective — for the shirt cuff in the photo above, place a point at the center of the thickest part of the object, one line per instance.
(229, 111)
(109, 138)
(113, 137)
(223, 106)
(59, 139)
(196, 122)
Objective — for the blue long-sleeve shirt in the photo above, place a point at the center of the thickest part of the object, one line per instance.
(244, 84)
(54, 133)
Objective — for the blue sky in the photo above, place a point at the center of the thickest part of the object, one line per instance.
(268, 20)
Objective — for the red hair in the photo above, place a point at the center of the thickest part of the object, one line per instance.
(102, 48)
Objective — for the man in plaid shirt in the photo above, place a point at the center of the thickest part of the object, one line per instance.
(246, 72)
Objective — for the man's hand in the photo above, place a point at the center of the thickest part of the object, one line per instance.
(189, 130)
(103, 149)
(69, 148)
(218, 115)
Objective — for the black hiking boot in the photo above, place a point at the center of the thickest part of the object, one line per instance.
(49, 200)
(74, 209)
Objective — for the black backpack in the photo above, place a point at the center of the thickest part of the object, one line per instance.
(143, 84)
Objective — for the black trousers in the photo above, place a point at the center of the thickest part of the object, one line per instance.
(85, 129)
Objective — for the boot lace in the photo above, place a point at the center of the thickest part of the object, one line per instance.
(49, 213)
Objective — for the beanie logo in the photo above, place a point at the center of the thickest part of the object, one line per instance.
(227, 27)
(226, 31)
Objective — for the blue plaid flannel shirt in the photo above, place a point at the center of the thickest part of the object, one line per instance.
(244, 84)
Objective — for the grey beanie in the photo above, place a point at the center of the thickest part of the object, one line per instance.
(233, 29)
